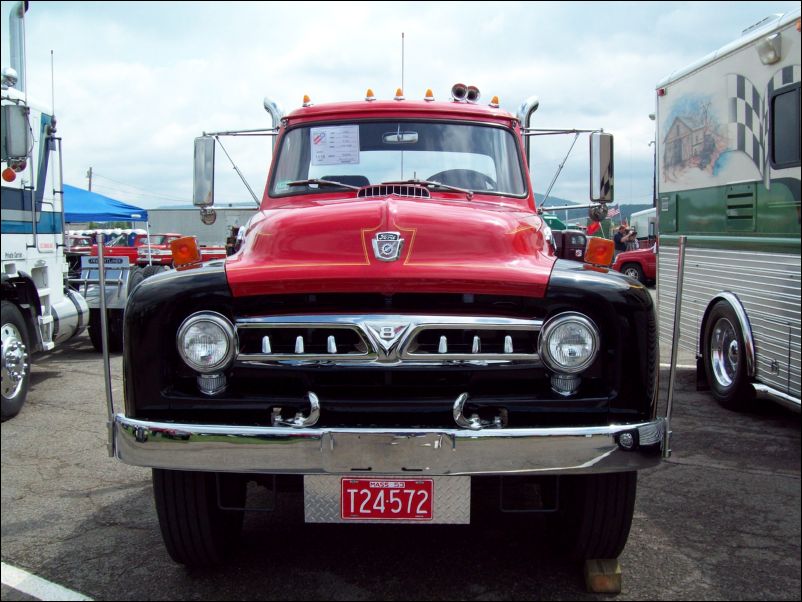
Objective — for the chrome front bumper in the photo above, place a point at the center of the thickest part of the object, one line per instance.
(388, 451)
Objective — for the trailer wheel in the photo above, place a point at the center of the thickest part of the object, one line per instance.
(115, 324)
(596, 514)
(633, 270)
(16, 368)
(725, 359)
(196, 531)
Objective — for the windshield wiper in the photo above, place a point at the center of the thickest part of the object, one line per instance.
(468, 193)
(320, 182)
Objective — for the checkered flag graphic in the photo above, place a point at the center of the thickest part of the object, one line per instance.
(747, 127)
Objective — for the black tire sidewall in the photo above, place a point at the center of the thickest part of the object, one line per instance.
(11, 314)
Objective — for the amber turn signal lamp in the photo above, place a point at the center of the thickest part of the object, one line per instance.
(599, 251)
(185, 251)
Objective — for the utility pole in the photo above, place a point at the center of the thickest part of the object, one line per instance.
(89, 175)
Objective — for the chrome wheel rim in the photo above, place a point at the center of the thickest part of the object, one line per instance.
(724, 352)
(632, 273)
(14, 361)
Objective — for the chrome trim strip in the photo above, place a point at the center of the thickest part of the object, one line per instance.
(447, 451)
(792, 403)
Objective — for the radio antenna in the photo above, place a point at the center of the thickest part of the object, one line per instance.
(52, 84)
(402, 60)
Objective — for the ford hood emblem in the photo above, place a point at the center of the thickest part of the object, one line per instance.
(387, 246)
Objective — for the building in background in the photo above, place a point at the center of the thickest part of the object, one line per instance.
(186, 220)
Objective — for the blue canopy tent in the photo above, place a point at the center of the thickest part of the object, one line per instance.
(85, 206)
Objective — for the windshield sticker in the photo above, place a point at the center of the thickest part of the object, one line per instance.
(335, 145)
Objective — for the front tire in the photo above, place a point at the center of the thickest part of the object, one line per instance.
(633, 270)
(196, 531)
(596, 512)
(14, 354)
(725, 359)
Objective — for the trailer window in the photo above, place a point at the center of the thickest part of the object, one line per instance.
(784, 121)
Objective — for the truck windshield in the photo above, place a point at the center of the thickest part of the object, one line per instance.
(480, 158)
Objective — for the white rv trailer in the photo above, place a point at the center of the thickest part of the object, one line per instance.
(728, 135)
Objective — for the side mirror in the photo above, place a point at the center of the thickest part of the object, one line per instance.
(601, 167)
(16, 137)
(203, 181)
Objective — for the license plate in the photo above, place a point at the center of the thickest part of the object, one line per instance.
(387, 499)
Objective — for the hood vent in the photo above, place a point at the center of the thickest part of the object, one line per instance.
(407, 190)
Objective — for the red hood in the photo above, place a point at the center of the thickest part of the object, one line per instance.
(449, 246)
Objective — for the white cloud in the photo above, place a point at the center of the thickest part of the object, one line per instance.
(136, 82)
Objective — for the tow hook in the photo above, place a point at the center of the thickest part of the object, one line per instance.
(300, 421)
(474, 422)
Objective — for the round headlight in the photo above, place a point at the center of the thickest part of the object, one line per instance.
(206, 342)
(568, 343)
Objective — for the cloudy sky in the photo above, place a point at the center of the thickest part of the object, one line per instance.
(136, 82)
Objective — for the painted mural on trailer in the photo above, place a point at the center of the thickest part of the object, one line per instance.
(702, 133)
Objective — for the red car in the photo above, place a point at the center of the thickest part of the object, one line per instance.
(640, 265)
(80, 245)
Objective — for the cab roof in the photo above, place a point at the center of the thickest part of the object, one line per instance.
(418, 109)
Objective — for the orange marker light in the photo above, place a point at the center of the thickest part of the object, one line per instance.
(399, 94)
(185, 251)
(369, 95)
(429, 95)
(494, 102)
(307, 100)
(599, 251)
(9, 175)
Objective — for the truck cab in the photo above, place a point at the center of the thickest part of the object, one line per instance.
(394, 337)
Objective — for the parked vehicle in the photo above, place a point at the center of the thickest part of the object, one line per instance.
(394, 338)
(729, 181)
(38, 311)
(645, 224)
(570, 244)
(158, 252)
(640, 265)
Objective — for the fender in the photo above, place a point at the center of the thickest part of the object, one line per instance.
(743, 322)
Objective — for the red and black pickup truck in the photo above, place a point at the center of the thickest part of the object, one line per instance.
(396, 339)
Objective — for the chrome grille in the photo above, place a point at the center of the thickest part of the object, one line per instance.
(383, 340)
(506, 341)
(300, 341)
(408, 190)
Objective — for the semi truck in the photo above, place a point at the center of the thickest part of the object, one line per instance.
(38, 310)
(728, 173)
(394, 338)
